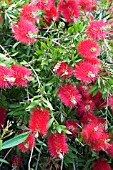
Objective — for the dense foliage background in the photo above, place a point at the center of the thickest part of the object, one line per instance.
(56, 39)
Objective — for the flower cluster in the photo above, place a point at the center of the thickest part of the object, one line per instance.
(97, 30)
(63, 69)
(69, 95)
(101, 164)
(69, 10)
(26, 31)
(16, 75)
(16, 161)
(39, 120)
(94, 134)
(57, 144)
(78, 76)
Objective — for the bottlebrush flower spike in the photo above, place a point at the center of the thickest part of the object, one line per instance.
(3, 116)
(57, 144)
(39, 120)
(71, 125)
(94, 134)
(88, 49)
(85, 72)
(16, 161)
(86, 105)
(25, 31)
(28, 12)
(63, 69)
(28, 144)
(50, 10)
(94, 61)
(21, 75)
(89, 5)
(101, 164)
(69, 10)
(97, 30)
(89, 117)
(69, 95)
(6, 77)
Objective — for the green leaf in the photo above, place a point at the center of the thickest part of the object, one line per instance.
(67, 132)
(58, 128)
(0, 144)
(15, 141)
(48, 104)
(4, 161)
(92, 89)
(50, 122)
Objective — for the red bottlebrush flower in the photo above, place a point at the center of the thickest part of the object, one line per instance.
(25, 32)
(71, 125)
(29, 12)
(94, 61)
(97, 30)
(86, 105)
(28, 144)
(89, 117)
(50, 10)
(101, 164)
(110, 150)
(39, 120)
(21, 75)
(51, 13)
(88, 5)
(94, 134)
(69, 10)
(16, 161)
(3, 116)
(6, 77)
(85, 72)
(84, 90)
(63, 69)
(69, 95)
(88, 49)
(57, 144)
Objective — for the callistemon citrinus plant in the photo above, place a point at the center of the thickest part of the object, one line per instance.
(56, 84)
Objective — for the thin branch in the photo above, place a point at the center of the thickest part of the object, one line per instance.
(38, 158)
(30, 158)
(48, 28)
(62, 162)
(3, 49)
(28, 98)
(74, 167)
(6, 155)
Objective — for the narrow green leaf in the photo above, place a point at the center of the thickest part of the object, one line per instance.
(92, 89)
(58, 128)
(4, 161)
(15, 141)
(48, 103)
(50, 122)
(0, 144)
